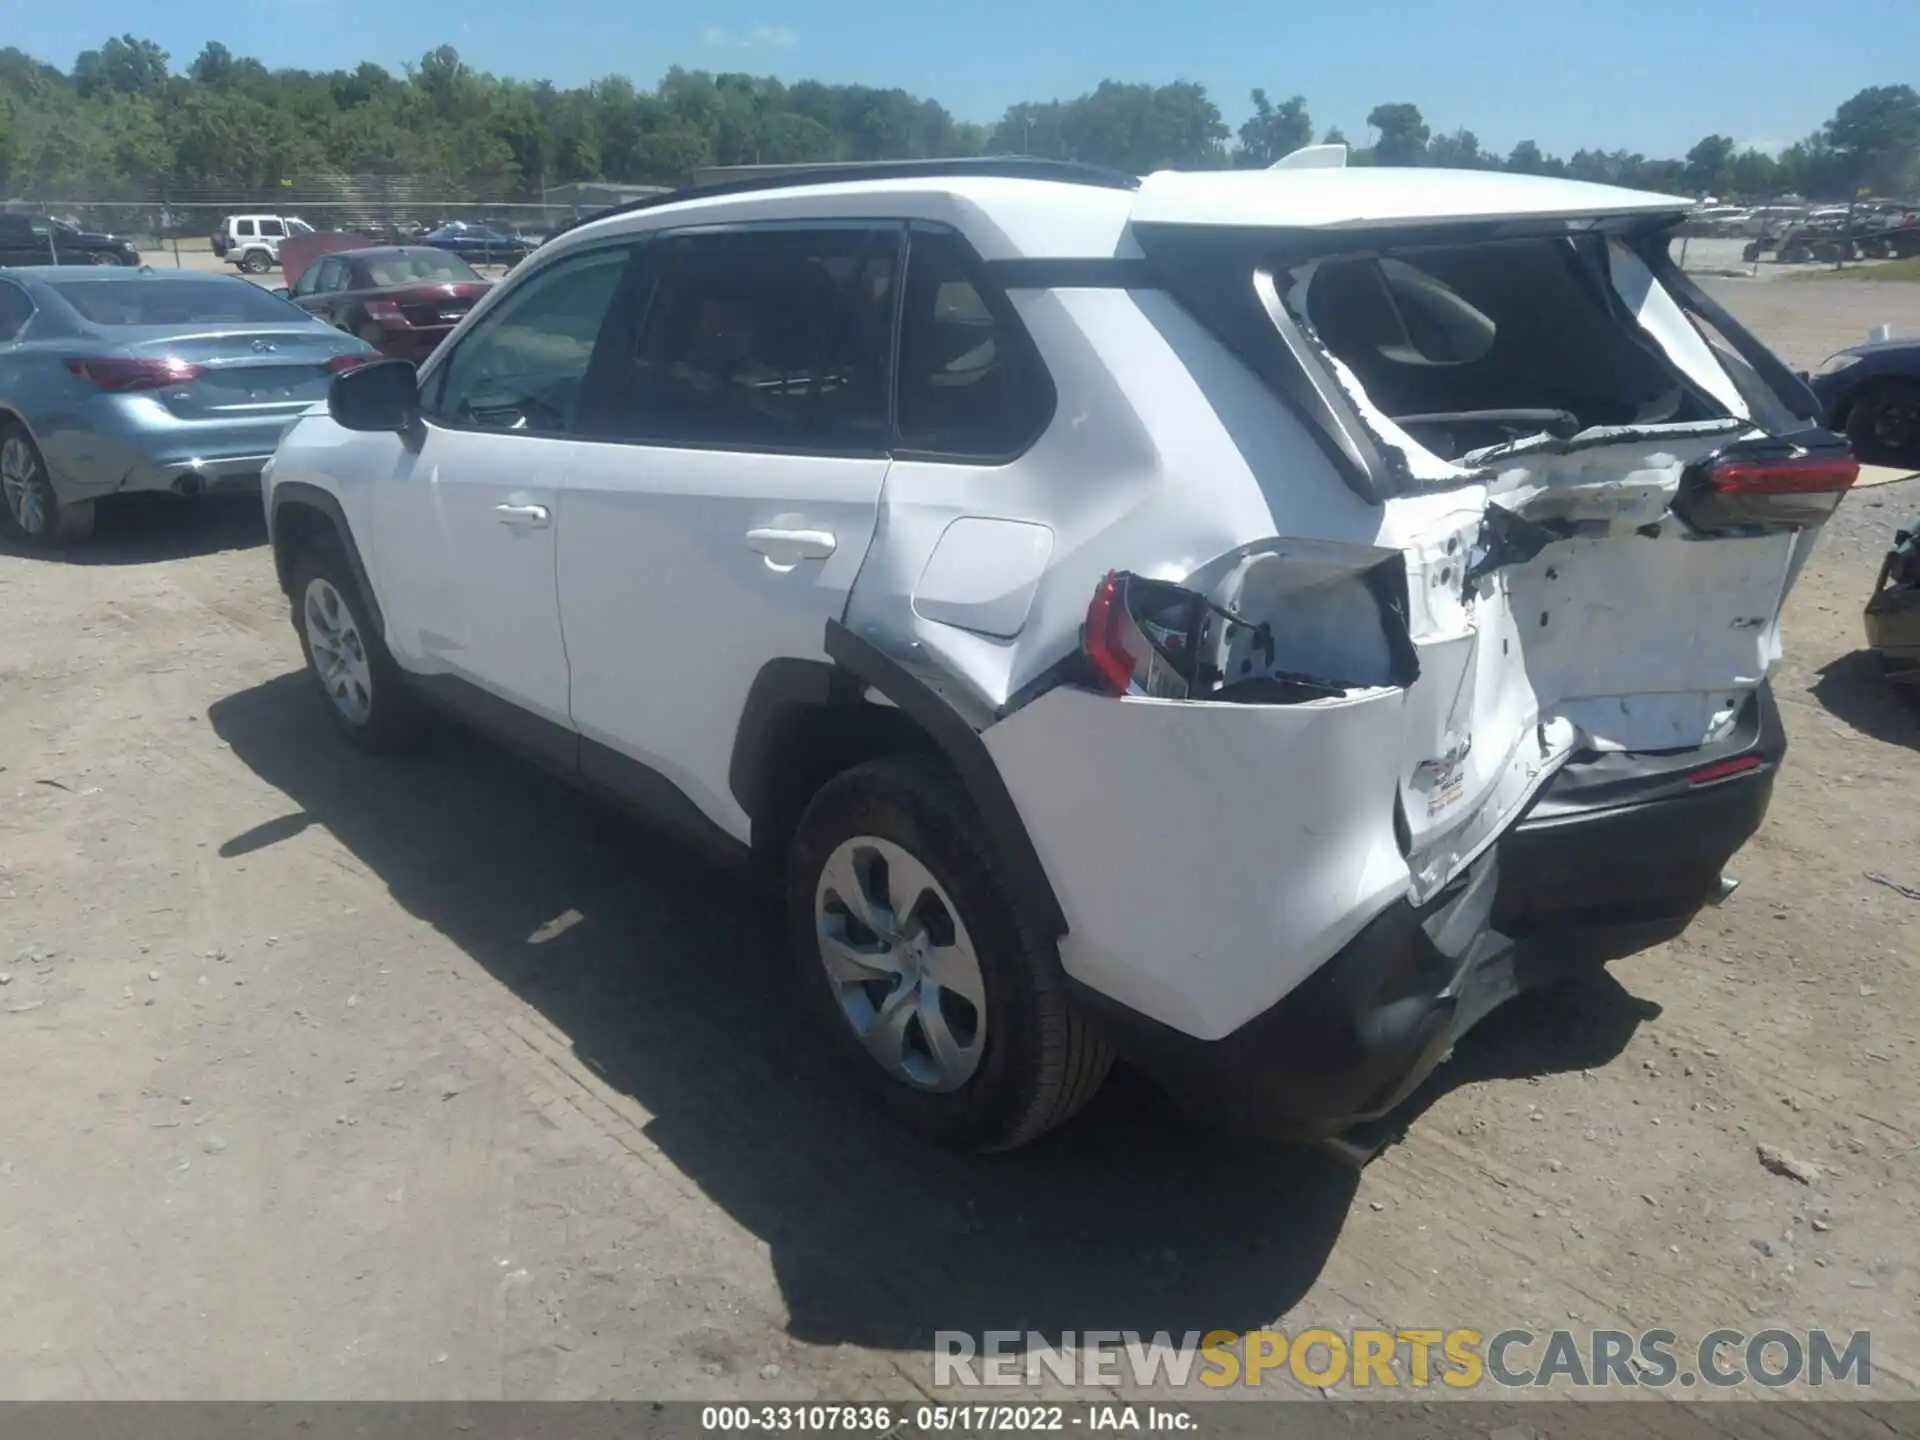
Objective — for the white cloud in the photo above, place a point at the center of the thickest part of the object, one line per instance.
(757, 37)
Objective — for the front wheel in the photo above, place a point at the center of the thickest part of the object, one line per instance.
(33, 508)
(364, 690)
(1884, 423)
(944, 998)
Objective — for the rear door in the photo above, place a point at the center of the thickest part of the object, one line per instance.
(720, 509)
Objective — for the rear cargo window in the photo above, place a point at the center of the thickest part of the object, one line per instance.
(217, 300)
(1468, 346)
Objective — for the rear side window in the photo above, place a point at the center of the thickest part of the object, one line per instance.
(775, 339)
(15, 310)
(971, 385)
(243, 228)
(522, 365)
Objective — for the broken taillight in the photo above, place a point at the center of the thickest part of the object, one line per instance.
(1782, 489)
(1105, 636)
(1803, 475)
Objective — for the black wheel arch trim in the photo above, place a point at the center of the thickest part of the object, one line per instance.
(960, 743)
(312, 497)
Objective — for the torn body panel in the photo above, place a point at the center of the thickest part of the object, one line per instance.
(1442, 653)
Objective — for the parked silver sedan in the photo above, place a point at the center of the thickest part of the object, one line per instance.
(113, 381)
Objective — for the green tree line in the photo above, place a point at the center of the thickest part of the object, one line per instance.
(122, 120)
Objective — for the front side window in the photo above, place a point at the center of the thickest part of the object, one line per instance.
(333, 276)
(272, 229)
(521, 367)
(308, 283)
(775, 339)
(971, 385)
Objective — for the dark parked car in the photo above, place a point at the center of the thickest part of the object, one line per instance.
(480, 244)
(42, 240)
(400, 299)
(1872, 392)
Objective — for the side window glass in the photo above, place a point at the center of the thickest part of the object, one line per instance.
(521, 367)
(970, 383)
(333, 276)
(308, 282)
(243, 228)
(775, 338)
(273, 229)
(15, 311)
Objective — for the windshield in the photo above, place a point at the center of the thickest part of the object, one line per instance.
(213, 301)
(427, 268)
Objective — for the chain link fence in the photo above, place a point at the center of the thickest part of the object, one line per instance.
(159, 217)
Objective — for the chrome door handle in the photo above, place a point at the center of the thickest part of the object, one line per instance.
(524, 517)
(792, 545)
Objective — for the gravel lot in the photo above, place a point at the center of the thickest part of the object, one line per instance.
(324, 1077)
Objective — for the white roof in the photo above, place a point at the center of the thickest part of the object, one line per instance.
(1372, 197)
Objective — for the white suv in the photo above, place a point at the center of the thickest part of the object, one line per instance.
(252, 242)
(1251, 623)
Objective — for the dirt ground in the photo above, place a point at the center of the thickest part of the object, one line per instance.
(326, 1077)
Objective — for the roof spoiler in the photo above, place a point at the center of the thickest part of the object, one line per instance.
(1313, 157)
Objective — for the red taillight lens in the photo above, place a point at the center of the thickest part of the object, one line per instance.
(1103, 640)
(1725, 769)
(120, 374)
(387, 312)
(350, 362)
(1808, 475)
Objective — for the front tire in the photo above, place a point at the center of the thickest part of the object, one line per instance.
(945, 999)
(32, 509)
(363, 690)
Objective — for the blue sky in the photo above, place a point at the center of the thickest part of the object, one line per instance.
(1647, 75)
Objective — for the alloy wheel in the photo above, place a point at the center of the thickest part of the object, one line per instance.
(20, 478)
(901, 964)
(339, 654)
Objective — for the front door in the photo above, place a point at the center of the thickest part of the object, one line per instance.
(726, 485)
(467, 523)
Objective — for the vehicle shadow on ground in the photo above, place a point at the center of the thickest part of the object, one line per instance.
(1853, 690)
(669, 983)
(145, 529)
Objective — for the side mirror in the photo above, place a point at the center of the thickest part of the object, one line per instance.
(381, 395)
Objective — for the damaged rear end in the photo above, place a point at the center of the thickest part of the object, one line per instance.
(1513, 721)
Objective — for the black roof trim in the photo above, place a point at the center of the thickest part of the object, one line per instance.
(1000, 167)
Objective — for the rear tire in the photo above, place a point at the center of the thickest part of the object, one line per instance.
(982, 1071)
(256, 262)
(365, 692)
(1884, 422)
(32, 510)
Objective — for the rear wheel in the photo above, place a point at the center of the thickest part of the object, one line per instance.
(104, 257)
(33, 508)
(1884, 423)
(946, 1000)
(364, 690)
(256, 262)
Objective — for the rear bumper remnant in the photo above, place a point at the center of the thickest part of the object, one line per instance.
(1618, 853)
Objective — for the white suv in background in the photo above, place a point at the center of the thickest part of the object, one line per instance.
(252, 242)
(1252, 623)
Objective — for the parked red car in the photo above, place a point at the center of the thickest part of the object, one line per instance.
(400, 299)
